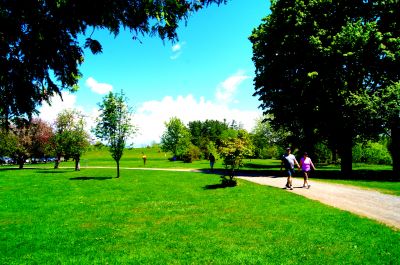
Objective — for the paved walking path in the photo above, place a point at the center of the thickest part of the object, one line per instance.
(368, 203)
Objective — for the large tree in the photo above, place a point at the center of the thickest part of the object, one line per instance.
(70, 138)
(114, 124)
(267, 142)
(41, 138)
(8, 141)
(207, 134)
(21, 135)
(315, 58)
(25, 140)
(176, 138)
(39, 41)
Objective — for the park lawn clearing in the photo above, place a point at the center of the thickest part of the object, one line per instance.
(157, 217)
(132, 158)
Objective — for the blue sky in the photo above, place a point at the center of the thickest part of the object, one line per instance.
(207, 74)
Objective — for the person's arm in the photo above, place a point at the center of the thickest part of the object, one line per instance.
(298, 166)
(312, 165)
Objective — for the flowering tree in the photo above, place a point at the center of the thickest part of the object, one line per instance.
(233, 149)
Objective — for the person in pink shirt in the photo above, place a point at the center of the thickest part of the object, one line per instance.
(306, 165)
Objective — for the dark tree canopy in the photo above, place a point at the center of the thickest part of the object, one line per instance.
(39, 50)
(328, 69)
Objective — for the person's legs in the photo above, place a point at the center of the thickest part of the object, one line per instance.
(289, 179)
(305, 175)
(306, 179)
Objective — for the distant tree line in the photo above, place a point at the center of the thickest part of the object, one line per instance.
(66, 138)
(198, 139)
(38, 141)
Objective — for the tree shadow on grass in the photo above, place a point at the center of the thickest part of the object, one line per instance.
(38, 170)
(54, 171)
(357, 174)
(226, 182)
(258, 166)
(245, 172)
(366, 175)
(90, 178)
(217, 186)
(9, 169)
(259, 173)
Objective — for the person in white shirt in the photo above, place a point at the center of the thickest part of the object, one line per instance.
(288, 160)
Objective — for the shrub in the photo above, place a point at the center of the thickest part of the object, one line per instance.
(322, 153)
(192, 153)
(269, 152)
(372, 153)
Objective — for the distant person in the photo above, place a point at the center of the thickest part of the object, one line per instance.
(211, 157)
(288, 160)
(144, 157)
(306, 165)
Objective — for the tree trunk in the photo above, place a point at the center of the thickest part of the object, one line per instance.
(309, 139)
(395, 148)
(346, 155)
(334, 155)
(117, 168)
(21, 162)
(77, 163)
(57, 161)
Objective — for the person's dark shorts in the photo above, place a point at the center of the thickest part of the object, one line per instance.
(290, 171)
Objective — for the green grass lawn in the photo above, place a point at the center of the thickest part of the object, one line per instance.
(365, 176)
(155, 217)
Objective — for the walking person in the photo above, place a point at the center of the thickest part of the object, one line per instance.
(144, 157)
(306, 165)
(211, 157)
(288, 160)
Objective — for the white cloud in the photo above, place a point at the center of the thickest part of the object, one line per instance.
(151, 115)
(226, 90)
(50, 112)
(99, 88)
(176, 47)
(177, 50)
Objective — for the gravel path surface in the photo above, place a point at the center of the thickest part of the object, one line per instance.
(368, 203)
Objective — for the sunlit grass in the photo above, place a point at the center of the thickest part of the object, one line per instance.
(366, 176)
(155, 217)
